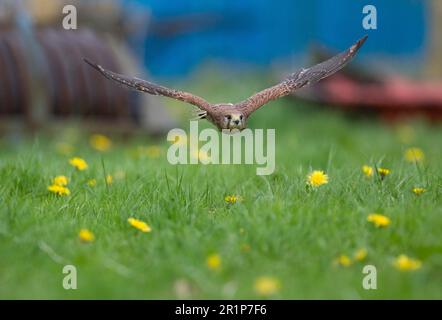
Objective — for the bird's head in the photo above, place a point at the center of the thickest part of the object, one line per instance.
(234, 120)
(228, 116)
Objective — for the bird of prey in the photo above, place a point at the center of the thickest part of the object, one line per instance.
(229, 116)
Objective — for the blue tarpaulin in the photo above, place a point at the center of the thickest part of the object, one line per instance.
(184, 34)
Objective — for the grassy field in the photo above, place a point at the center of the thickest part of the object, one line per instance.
(280, 241)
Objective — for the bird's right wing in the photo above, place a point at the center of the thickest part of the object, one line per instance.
(301, 78)
(152, 88)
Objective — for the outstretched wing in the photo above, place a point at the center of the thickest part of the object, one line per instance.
(151, 88)
(301, 78)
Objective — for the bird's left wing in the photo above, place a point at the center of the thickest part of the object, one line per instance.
(301, 78)
(152, 88)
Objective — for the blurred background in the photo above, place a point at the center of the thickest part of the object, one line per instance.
(43, 79)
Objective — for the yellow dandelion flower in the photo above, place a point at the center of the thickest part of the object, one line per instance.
(60, 181)
(180, 140)
(232, 199)
(100, 142)
(418, 191)
(109, 179)
(361, 254)
(78, 163)
(267, 286)
(86, 235)
(64, 148)
(378, 220)
(59, 190)
(404, 263)
(414, 155)
(201, 155)
(367, 170)
(317, 178)
(214, 262)
(140, 225)
(343, 260)
(383, 172)
(153, 152)
(92, 182)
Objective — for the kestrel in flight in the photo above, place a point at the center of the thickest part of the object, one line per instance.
(234, 116)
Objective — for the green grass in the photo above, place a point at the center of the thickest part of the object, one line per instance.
(294, 233)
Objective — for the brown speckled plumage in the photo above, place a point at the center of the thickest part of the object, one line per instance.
(234, 116)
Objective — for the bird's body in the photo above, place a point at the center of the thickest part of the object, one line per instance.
(229, 116)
